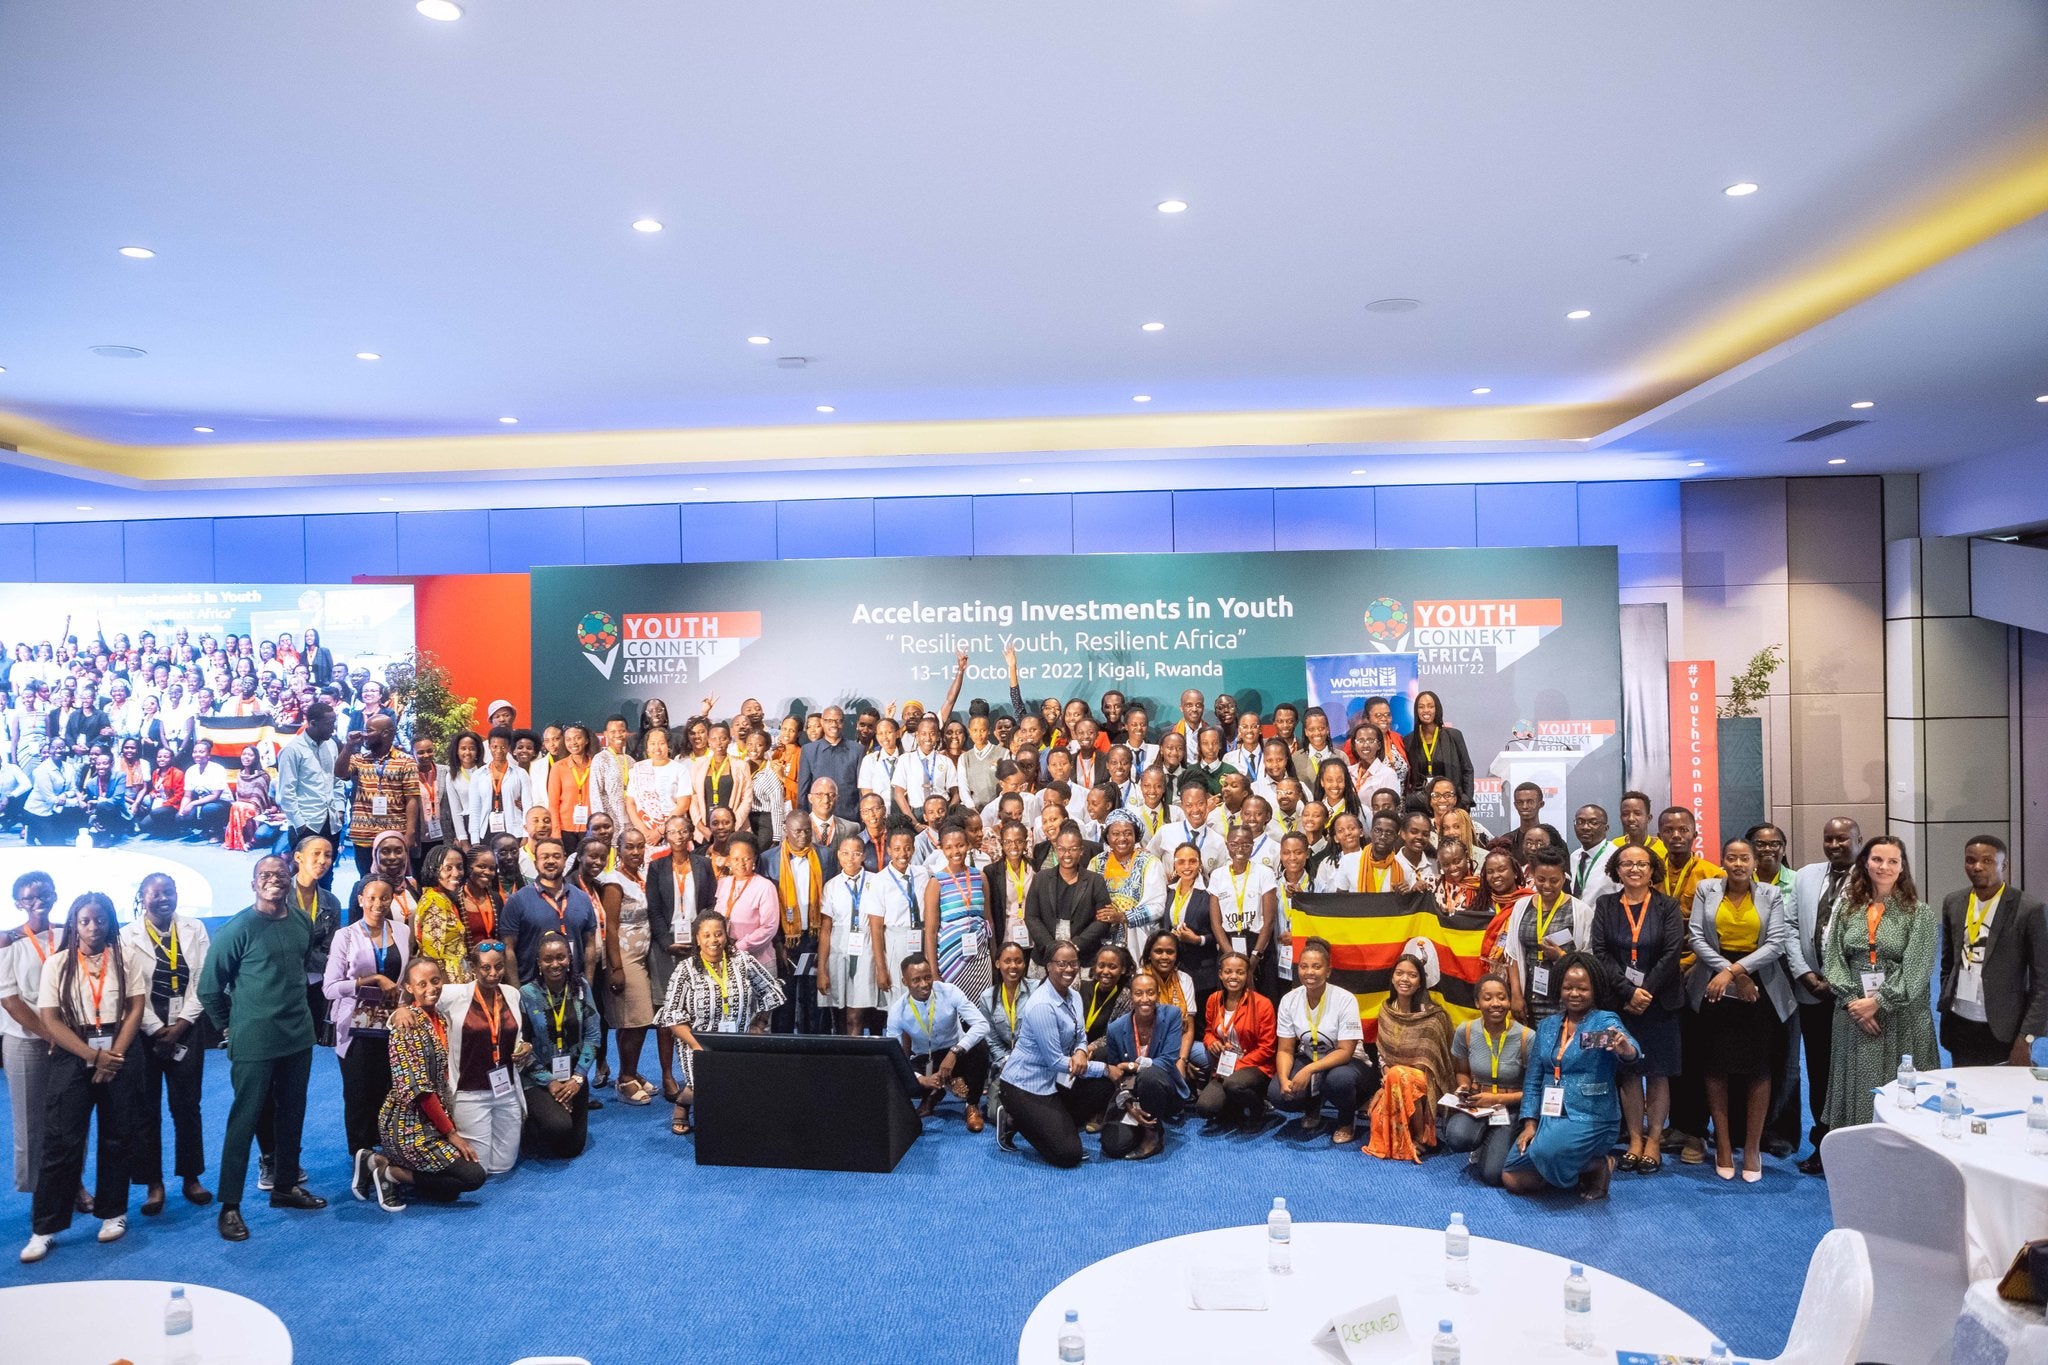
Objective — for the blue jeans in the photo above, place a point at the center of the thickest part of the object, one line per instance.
(1463, 1133)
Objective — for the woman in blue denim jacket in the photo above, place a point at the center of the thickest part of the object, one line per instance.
(1570, 1109)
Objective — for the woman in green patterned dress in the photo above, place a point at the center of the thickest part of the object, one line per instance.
(1879, 961)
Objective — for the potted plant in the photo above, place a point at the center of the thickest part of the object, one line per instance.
(1740, 733)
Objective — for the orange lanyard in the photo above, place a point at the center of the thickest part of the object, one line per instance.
(441, 1032)
(494, 1012)
(99, 983)
(1635, 924)
(1873, 916)
(483, 909)
(560, 907)
(42, 953)
(1565, 1033)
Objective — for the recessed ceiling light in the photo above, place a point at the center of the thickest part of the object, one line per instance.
(646, 225)
(1141, 398)
(1739, 189)
(1173, 206)
(699, 488)
(85, 507)
(3, 369)
(1482, 390)
(1024, 480)
(368, 355)
(1393, 305)
(1866, 403)
(447, 11)
(1695, 464)
(1839, 459)
(137, 253)
(1578, 313)
(118, 352)
(1153, 327)
(1358, 471)
(204, 431)
(759, 341)
(383, 500)
(826, 407)
(509, 421)
(2042, 399)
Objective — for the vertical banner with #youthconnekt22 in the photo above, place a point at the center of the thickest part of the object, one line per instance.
(1522, 644)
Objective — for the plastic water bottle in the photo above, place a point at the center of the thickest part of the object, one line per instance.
(1443, 1347)
(1719, 1351)
(1951, 1111)
(178, 1342)
(2037, 1127)
(1458, 1254)
(1578, 1309)
(1908, 1079)
(1280, 1239)
(1073, 1346)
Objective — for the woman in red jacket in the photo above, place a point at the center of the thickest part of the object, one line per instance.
(1240, 1040)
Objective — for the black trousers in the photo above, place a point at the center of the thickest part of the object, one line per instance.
(1052, 1123)
(59, 827)
(1784, 1123)
(798, 1012)
(448, 1185)
(183, 1080)
(208, 820)
(365, 1082)
(1240, 1095)
(281, 1083)
(1970, 1043)
(1689, 1086)
(971, 1067)
(1346, 1089)
(1817, 1036)
(553, 1129)
(1151, 1091)
(73, 1099)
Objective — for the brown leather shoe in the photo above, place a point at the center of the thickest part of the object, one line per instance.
(975, 1122)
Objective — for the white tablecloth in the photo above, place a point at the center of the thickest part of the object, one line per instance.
(1134, 1305)
(1994, 1332)
(90, 1322)
(2007, 1188)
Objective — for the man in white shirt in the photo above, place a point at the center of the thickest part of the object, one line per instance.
(203, 814)
(1587, 877)
(306, 785)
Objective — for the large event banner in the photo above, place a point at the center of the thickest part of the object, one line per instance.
(1523, 644)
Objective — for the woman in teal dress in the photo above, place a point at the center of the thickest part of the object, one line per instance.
(1573, 1057)
(1879, 962)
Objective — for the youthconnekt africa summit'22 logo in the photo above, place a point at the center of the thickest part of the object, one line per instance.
(1508, 627)
(664, 647)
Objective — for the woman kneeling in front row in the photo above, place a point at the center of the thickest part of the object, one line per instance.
(1142, 1054)
(1239, 1045)
(421, 1149)
(1050, 1086)
(563, 1025)
(1569, 1107)
(1320, 1033)
(1492, 1055)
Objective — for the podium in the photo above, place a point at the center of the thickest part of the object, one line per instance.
(803, 1102)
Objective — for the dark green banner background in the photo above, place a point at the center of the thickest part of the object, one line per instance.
(881, 630)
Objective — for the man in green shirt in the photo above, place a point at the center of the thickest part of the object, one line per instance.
(253, 987)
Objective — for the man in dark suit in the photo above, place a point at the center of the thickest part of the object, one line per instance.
(680, 887)
(1063, 903)
(802, 897)
(828, 827)
(1994, 963)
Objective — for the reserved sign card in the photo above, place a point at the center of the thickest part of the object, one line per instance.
(1375, 1332)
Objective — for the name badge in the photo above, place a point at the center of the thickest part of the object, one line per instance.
(857, 940)
(1287, 958)
(496, 824)
(1227, 1063)
(559, 1069)
(1553, 1101)
(1063, 932)
(1969, 986)
(1499, 1117)
(1634, 975)
(580, 815)
(501, 1081)
(1063, 1080)
(380, 804)
(1237, 942)
(970, 942)
(102, 1040)
(1873, 982)
(178, 1052)
(1539, 981)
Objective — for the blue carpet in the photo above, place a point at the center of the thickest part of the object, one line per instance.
(634, 1253)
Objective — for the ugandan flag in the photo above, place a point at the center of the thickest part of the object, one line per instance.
(1366, 932)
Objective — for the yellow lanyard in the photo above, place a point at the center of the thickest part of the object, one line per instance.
(1096, 1004)
(1020, 878)
(1008, 1000)
(560, 1013)
(1544, 917)
(171, 950)
(1496, 1051)
(1429, 751)
(1177, 915)
(1237, 889)
(721, 976)
(311, 905)
(1973, 923)
(929, 1019)
(1315, 1019)
(1672, 884)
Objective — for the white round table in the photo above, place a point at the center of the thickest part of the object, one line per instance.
(2007, 1188)
(90, 1322)
(1135, 1305)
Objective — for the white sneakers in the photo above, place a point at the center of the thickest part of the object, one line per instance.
(113, 1229)
(37, 1248)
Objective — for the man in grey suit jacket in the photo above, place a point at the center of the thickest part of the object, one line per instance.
(1994, 964)
(1815, 889)
(827, 826)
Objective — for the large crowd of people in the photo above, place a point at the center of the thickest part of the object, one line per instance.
(114, 739)
(1076, 920)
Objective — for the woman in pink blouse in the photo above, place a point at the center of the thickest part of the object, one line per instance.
(749, 903)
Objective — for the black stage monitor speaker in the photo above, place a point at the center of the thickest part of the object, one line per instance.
(803, 1102)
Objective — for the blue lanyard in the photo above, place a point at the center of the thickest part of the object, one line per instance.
(856, 889)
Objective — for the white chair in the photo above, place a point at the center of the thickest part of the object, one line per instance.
(1909, 1203)
(1834, 1307)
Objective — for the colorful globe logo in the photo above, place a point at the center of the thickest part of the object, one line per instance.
(597, 632)
(1386, 621)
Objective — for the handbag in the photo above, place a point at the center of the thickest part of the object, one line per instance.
(2026, 1281)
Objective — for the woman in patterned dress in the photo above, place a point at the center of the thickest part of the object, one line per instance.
(628, 999)
(1879, 961)
(437, 927)
(714, 990)
(421, 1148)
(956, 927)
(1137, 880)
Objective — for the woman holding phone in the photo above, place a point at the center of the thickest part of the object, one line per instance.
(1568, 1105)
